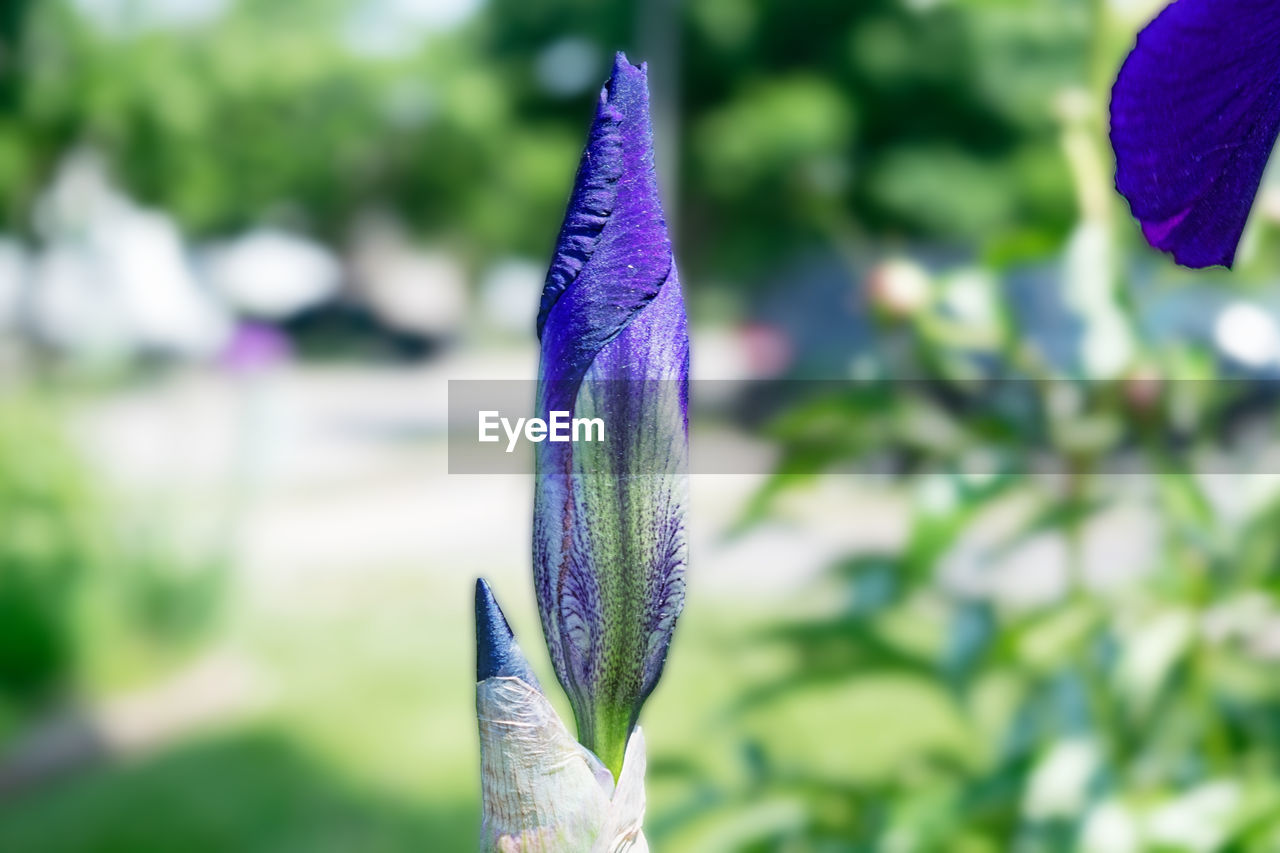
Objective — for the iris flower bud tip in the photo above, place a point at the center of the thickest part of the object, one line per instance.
(497, 653)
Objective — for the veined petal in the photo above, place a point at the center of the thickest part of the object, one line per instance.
(1194, 116)
(609, 544)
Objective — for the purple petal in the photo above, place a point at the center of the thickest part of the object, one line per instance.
(613, 253)
(609, 544)
(1194, 116)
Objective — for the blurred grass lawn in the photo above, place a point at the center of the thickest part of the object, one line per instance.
(369, 740)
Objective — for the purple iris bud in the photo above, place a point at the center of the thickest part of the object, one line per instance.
(1194, 116)
(609, 540)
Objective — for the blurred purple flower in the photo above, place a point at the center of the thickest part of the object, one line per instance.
(1194, 116)
(254, 347)
(609, 544)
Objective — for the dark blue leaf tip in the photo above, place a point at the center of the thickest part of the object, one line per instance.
(497, 653)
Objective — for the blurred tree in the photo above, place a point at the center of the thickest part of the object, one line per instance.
(13, 16)
(799, 122)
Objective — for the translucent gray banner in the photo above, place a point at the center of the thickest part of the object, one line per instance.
(806, 427)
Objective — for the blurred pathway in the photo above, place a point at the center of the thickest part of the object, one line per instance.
(341, 468)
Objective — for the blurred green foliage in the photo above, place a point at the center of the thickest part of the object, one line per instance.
(1131, 704)
(50, 539)
(79, 574)
(796, 120)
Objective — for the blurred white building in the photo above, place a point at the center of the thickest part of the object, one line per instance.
(409, 289)
(114, 278)
(272, 274)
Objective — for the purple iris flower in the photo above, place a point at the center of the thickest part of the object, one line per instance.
(1194, 116)
(609, 539)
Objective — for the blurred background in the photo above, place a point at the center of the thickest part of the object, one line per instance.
(1030, 603)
